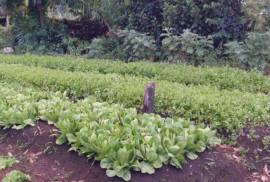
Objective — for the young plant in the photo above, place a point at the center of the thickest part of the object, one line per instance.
(266, 142)
(6, 162)
(16, 176)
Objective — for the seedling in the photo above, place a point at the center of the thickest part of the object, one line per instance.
(266, 142)
(16, 176)
(6, 162)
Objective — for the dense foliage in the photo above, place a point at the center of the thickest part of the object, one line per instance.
(223, 19)
(17, 108)
(189, 47)
(254, 52)
(222, 78)
(258, 13)
(222, 110)
(134, 30)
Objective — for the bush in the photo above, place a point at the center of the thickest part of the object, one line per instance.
(5, 37)
(16, 176)
(221, 19)
(103, 48)
(193, 48)
(137, 46)
(253, 52)
(258, 13)
(126, 45)
(75, 46)
(29, 36)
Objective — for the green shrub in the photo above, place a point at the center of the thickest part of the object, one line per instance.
(254, 51)
(75, 46)
(189, 47)
(258, 13)
(16, 176)
(125, 45)
(105, 48)
(29, 36)
(222, 19)
(6, 161)
(137, 46)
(266, 142)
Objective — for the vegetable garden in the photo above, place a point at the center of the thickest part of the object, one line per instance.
(96, 107)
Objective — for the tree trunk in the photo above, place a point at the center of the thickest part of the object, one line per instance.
(37, 9)
(7, 20)
(40, 10)
(158, 12)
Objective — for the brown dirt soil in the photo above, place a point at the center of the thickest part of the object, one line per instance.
(45, 161)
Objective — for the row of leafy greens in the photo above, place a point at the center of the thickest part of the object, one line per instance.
(227, 111)
(119, 138)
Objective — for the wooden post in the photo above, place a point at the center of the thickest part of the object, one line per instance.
(149, 98)
(7, 21)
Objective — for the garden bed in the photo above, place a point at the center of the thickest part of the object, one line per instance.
(43, 160)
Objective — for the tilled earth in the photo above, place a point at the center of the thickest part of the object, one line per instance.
(45, 161)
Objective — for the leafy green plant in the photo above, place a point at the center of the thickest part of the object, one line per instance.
(19, 110)
(191, 47)
(99, 49)
(138, 46)
(118, 137)
(124, 140)
(75, 46)
(172, 48)
(253, 52)
(19, 105)
(266, 142)
(6, 162)
(106, 48)
(16, 176)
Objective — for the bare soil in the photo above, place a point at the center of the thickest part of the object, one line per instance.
(45, 161)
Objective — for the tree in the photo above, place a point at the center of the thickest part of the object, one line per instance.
(258, 13)
(222, 19)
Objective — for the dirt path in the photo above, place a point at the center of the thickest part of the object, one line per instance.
(45, 161)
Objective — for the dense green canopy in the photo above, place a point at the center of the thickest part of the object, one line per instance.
(138, 27)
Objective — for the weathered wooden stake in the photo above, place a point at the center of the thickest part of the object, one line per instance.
(149, 98)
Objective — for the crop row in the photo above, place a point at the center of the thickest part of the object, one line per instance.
(222, 78)
(224, 110)
(118, 137)
(18, 105)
